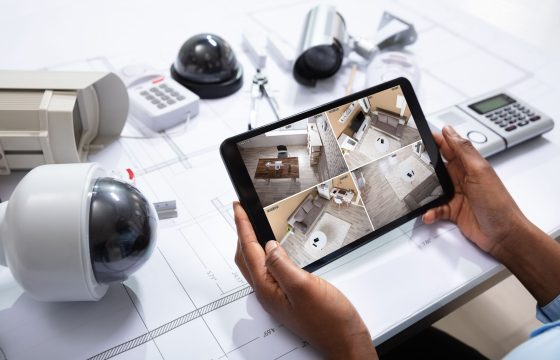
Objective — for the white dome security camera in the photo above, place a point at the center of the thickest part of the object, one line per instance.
(68, 230)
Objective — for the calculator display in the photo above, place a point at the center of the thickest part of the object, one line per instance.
(490, 104)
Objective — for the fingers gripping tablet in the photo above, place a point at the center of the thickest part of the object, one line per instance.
(339, 175)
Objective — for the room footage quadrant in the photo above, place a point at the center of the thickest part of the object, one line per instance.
(333, 178)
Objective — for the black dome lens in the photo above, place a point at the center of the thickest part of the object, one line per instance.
(206, 58)
(122, 230)
(206, 64)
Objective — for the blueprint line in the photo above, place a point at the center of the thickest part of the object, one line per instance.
(165, 328)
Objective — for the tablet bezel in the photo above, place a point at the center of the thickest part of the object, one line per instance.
(248, 196)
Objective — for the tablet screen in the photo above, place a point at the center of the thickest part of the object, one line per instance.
(332, 178)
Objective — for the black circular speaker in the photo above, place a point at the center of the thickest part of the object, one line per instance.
(207, 66)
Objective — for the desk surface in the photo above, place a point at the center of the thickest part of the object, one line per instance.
(189, 301)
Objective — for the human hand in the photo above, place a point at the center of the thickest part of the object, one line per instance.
(306, 304)
(482, 207)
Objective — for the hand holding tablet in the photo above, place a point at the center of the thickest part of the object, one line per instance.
(324, 198)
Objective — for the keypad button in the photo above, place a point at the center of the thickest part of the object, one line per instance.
(174, 93)
(503, 115)
(179, 98)
(512, 121)
(522, 123)
(161, 106)
(489, 116)
(535, 118)
(150, 97)
(156, 101)
(170, 102)
(503, 124)
(510, 128)
(144, 93)
(163, 86)
(168, 89)
(153, 89)
(517, 105)
(164, 97)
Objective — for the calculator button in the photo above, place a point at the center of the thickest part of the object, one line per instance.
(161, 106)
(522, 123)
(174, 93)
(153, 89)
(168, 89)
(156, 101)
(150, 97)
(489, 116)
(170, 102)
(164, 97)
(535, 118)
(503, 115)
(512, 121)
(503, 124)
(144, 93)
(163, 86)
(510, 128)
(179, 98)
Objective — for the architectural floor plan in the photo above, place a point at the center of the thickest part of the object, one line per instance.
(190, 301)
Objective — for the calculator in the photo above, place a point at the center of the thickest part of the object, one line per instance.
(494, 122)
(156, 100)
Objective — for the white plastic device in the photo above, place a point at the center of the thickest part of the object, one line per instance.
(494, 122)
(156, 100)
(51, 253)
(57, 116)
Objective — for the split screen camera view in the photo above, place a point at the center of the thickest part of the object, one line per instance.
(328, 180)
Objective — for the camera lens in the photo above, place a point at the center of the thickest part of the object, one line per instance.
(122, 230)
(318, 62)
(206, 64)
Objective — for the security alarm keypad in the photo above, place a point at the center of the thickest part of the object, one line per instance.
(161, 103)
(494, 123)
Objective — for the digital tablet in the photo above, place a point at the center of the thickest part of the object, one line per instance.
(333, 178)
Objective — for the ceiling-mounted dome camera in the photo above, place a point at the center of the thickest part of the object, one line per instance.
(206, 65)
(69, 230)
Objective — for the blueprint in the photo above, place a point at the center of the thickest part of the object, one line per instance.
(190, 301)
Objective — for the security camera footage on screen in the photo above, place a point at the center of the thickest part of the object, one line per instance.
(328, 180)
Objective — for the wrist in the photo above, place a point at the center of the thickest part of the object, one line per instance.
(519, 231)
(360, 346)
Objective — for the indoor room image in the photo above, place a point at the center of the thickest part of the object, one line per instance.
(320, 220)
(289, 160)
(372, 127)
(398, 183)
